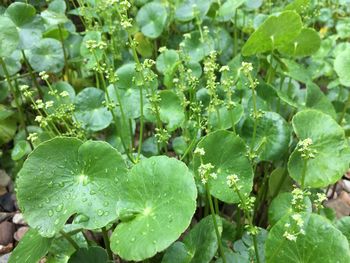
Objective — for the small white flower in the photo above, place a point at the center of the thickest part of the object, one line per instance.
(48, 104)
(199, 151)
(64, 93)
(39, 118)
(232, 180)
(43, 75)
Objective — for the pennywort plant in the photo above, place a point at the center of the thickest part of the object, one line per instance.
(176, 130)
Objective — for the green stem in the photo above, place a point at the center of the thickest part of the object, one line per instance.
(303, 173)
(346, 106)
(106, 242)
(211, 206)
(13, 91)
(66, 66)
(70, 240)
(31, 72)
(256, 248)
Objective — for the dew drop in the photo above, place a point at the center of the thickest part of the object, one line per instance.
(100, 212)
(59, 207)
(81, 218)
(56, 221)
(50, 213)
(133, 239)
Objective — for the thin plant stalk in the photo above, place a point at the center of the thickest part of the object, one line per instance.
(212, 211)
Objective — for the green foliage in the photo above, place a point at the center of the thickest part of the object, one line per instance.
(175, 131)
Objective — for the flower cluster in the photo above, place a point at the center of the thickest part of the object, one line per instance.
(298, 199)
(123, 7)
(199, 151)
(246, 68)
(205, 170)
(295, 228)
(91, 45)
(304, 147)
(232, 181)
(162, 135)
(321, 197)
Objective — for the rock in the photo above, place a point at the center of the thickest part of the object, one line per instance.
(3, 190)
(18, 219)
(346, 185)
(20, 233)
(4, 251)
(7, 202)
(341, 205)
(4, 178)
(6, 233)
(345, 197)
(4, 216)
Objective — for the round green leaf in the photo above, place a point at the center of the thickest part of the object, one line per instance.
(63, 177)
(274, 32)
(343, 224)
(227, 117)
(317, 100)
(171, 110)
(196, 48)
(342, 67)
(9, 38)
(332, 158)
(53, 18)
(89, 255)
(31, 248)
(21, 148)
(8, 125)
(179, 145)
(13, 63)
(227, 10)
(20, 13)
(167, 61)
(281, 205)
(155, 204)
(127, 77)
(129, 99)
(186, 10)
(89, 109)
(272, 135)
(227, 153)
(319, 243)
(305, 44)
(47, 55)
(199, 245)
(151, 18)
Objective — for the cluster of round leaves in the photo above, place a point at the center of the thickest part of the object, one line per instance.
(90, 181)
(156, 199)
(21, 29)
